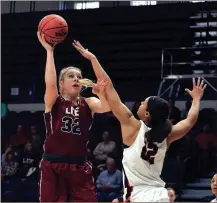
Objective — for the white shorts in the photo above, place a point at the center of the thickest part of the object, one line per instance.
(149, 194)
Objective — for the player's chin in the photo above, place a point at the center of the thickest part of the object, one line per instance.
(75, 90)
(214, 191)
(138, 114)
(141, 116)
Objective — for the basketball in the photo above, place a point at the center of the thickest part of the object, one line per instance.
(54, 28)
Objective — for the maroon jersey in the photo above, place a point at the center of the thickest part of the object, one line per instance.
(67, 128)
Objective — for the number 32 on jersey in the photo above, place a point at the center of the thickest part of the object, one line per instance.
(148, 152)
(71, 125)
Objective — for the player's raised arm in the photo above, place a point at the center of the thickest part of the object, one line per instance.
(184, 126)
(98, 105)
(51, 91)
(123, 114)
(98, 70)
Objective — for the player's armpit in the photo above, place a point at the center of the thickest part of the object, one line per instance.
(130, 132)
(129, 124)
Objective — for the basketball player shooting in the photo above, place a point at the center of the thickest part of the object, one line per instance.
(65, 173)
(148, 138)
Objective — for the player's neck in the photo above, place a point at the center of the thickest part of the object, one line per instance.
(148, 123)
(72, 98)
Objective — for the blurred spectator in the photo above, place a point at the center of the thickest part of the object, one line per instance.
(187, 108)
(171, 194)
(103, 149)
(214, 187)
(175, 113)
(206, 138)
(16, 152)
(9, 166)
(207, 145)
(109, 183)
(35, 139)
(18, 138)
(10, 183)
(29, 161)
(8, 149)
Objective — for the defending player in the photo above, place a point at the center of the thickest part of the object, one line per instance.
(148, 138)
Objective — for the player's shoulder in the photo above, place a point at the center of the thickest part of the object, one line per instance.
(140, 136)
(60, 99)
(85, 102)
(145, 126)
(143, 129)
(90, 100)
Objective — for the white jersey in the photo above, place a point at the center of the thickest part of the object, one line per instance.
(143, 162)
(214, 200)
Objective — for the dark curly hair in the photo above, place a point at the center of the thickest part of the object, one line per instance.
(159, 122)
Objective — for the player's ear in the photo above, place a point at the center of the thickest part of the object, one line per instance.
(61, 86)
(61, 83)
(147, 114)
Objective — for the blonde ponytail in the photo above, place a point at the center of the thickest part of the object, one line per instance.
(85, 82)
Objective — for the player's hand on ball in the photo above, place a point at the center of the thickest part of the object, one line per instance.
(198, 89)
(43, 42)
(99, 87)
(84, 52)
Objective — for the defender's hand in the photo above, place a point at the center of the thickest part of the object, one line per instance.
(84, 52)
(198, 89)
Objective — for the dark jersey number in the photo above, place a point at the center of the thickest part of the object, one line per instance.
(71, 125)
(148, 152)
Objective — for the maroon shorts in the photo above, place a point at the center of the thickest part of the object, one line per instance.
(61, 182)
